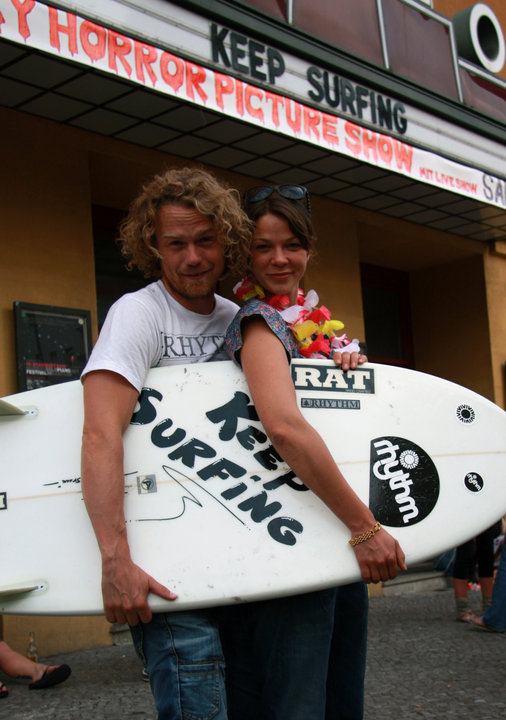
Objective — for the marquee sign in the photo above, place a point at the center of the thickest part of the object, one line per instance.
(76, 39)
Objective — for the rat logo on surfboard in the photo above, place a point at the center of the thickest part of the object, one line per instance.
(320, 377)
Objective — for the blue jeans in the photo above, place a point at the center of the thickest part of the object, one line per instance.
(348, 654)
(297, 658)
(495, 616)
(182, 654)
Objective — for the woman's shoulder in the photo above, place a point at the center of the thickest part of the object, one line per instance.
(273, 320)
(258, 308)
(254, 306)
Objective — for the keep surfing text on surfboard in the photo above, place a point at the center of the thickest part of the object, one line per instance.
(237, 423)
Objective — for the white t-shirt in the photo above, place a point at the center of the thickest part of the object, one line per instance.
(149, 328)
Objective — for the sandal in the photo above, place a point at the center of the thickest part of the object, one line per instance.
(3, 690)
(478, 623)
(51, 677)
(467, 617)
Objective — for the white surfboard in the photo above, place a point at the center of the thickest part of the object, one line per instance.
(214, 513)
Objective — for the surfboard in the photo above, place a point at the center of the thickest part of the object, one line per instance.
(214, 513)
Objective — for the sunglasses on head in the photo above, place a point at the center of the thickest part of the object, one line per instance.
(290, 192)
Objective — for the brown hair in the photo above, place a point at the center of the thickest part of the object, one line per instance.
(293, 211)
(195, 188)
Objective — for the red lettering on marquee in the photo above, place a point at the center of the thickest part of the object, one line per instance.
(353, 138)
(145, 56)
(23, 9)
(403, 155)
(311, 121)
(369, 141)
(195, 76)
(293, 122)
(385, 149)
(119, 46)
(468, 186)
(223, 85)
(94, 50)
(175, 79)
(329, 129)
(250, 93)
(55, 28)
(430, 174)
(364, 142)
(2, 20)
(276, 102)
(239, 97)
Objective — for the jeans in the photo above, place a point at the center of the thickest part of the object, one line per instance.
(495, 616)
(182, 654)
(297, 658)
(348, 652)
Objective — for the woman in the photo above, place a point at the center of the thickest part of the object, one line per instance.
(306, 654)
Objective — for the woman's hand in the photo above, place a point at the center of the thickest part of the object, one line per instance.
(380, 557)
(349, 361)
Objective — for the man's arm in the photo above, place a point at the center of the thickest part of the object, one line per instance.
(109, 402)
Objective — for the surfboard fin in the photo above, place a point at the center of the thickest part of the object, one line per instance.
(7, 409)
(20, 588)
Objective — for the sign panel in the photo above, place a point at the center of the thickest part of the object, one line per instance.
(372, 140)
(52, 344)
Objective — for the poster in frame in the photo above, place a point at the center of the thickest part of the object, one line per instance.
(52, 344)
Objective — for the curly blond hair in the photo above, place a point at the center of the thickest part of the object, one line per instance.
(194, 187)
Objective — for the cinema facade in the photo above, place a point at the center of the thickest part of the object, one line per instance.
(391, 112)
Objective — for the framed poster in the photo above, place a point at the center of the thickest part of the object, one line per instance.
(52, 344)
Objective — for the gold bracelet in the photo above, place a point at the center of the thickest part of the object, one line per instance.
(365, 535)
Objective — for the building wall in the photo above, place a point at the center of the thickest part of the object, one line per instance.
(55, 635)
(495, 278)
(449, 311)
(447, 296)
(46, 228)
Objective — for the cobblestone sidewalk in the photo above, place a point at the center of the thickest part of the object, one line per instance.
(421, 664)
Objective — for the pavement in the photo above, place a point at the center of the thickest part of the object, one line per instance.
(421, 664)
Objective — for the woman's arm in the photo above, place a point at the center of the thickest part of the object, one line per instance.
(263, 356)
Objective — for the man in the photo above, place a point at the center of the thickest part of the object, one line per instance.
(178, 232)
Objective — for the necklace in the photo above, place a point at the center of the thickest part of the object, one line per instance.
(316, 334)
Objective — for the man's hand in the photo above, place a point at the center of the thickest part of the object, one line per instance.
(125, 589)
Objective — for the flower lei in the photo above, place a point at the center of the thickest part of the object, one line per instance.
(313, 328)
